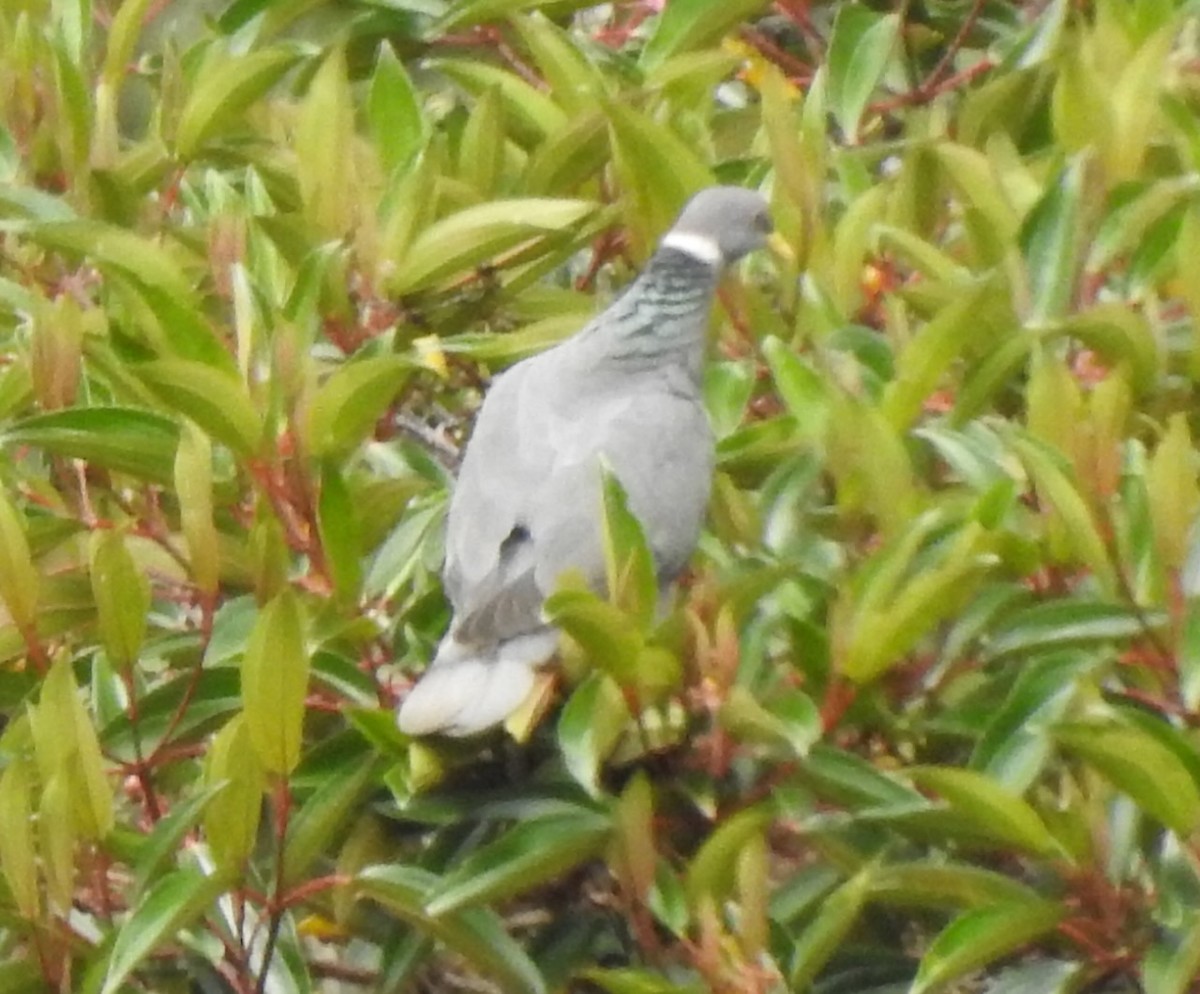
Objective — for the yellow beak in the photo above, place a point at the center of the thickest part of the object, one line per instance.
(778, 246)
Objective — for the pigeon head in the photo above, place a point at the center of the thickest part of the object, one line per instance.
(721, 224)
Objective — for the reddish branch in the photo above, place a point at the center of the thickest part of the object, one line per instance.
(304, 891)
(796, 11)
(922, 94)
(795, 69)
(276, 906)
(141, 769)
(839, 696)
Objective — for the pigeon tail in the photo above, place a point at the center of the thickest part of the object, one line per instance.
(467, 690)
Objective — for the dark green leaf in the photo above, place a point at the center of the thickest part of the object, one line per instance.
(475, 933)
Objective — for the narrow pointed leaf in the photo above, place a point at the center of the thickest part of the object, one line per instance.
(982, 937)
(275, 682)
(173, 904)
(529, 854)
(214, 400)
(225, 88)
(474, 933)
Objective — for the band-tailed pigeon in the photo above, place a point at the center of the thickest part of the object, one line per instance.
(623, 392)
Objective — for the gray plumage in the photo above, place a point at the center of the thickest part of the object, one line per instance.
(527, 505)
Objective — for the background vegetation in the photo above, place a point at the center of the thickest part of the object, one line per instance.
(928, 708)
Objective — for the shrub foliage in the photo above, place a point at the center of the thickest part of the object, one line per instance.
(927, 704)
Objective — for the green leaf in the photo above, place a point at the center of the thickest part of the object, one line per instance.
(122, 595)
(474, 933)
(801, 388)
(1119, 335)
(789, 718)
(481, 151)
(975, 176)
(31, 205)
(340, 531)
(976, 315)
(529, 854)
(478, 234)
(997, 812)
(56, 839)
(123, 439)
(1173, 492)
(76, 106)
(859, 53)
(18, 857)
(895, 603)
(18, 578)
(394, 114)
(142, 268)
(1081, 108)
(828, 930)
(172, 905)
(1059, 490)
(194, 487)
(345, 408)
(573, 78)
(337, 799)
(870, 463)
(1140, 766)
(1052, 240)
(685, 25)
(982, 937)
(1135, 97)
(634, 856)
(324, 131)
(931, 883)
(1016, 743)
(569, 157)
(630, 981)
(122, 39)
(21, 977)
(628, 563)
(1173, 963)
(601, 629)
(1069, 623)
(531, 114)
(232, 767)
(402, 556)
(711, 872)
(590, 726)
(215, 400)
(1127, 224)
(852, 781)
(164, 842)
(67, 746)
(275, 683)
(226, 85)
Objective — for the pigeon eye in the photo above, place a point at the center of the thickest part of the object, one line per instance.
(762, 223)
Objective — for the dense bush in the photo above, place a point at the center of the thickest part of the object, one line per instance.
(926, 709)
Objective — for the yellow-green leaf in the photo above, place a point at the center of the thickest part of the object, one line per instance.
(17, 855)
(232, 816)
(1173, 491)
(275, 682)
(193, 484)
(18, 577)
(215, 400)
(343, 411)
(475, 235)
(122, 596)
(226, 85)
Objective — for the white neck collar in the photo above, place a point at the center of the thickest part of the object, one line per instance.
(697, 246)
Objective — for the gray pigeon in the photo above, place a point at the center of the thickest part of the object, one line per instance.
(625, 392)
